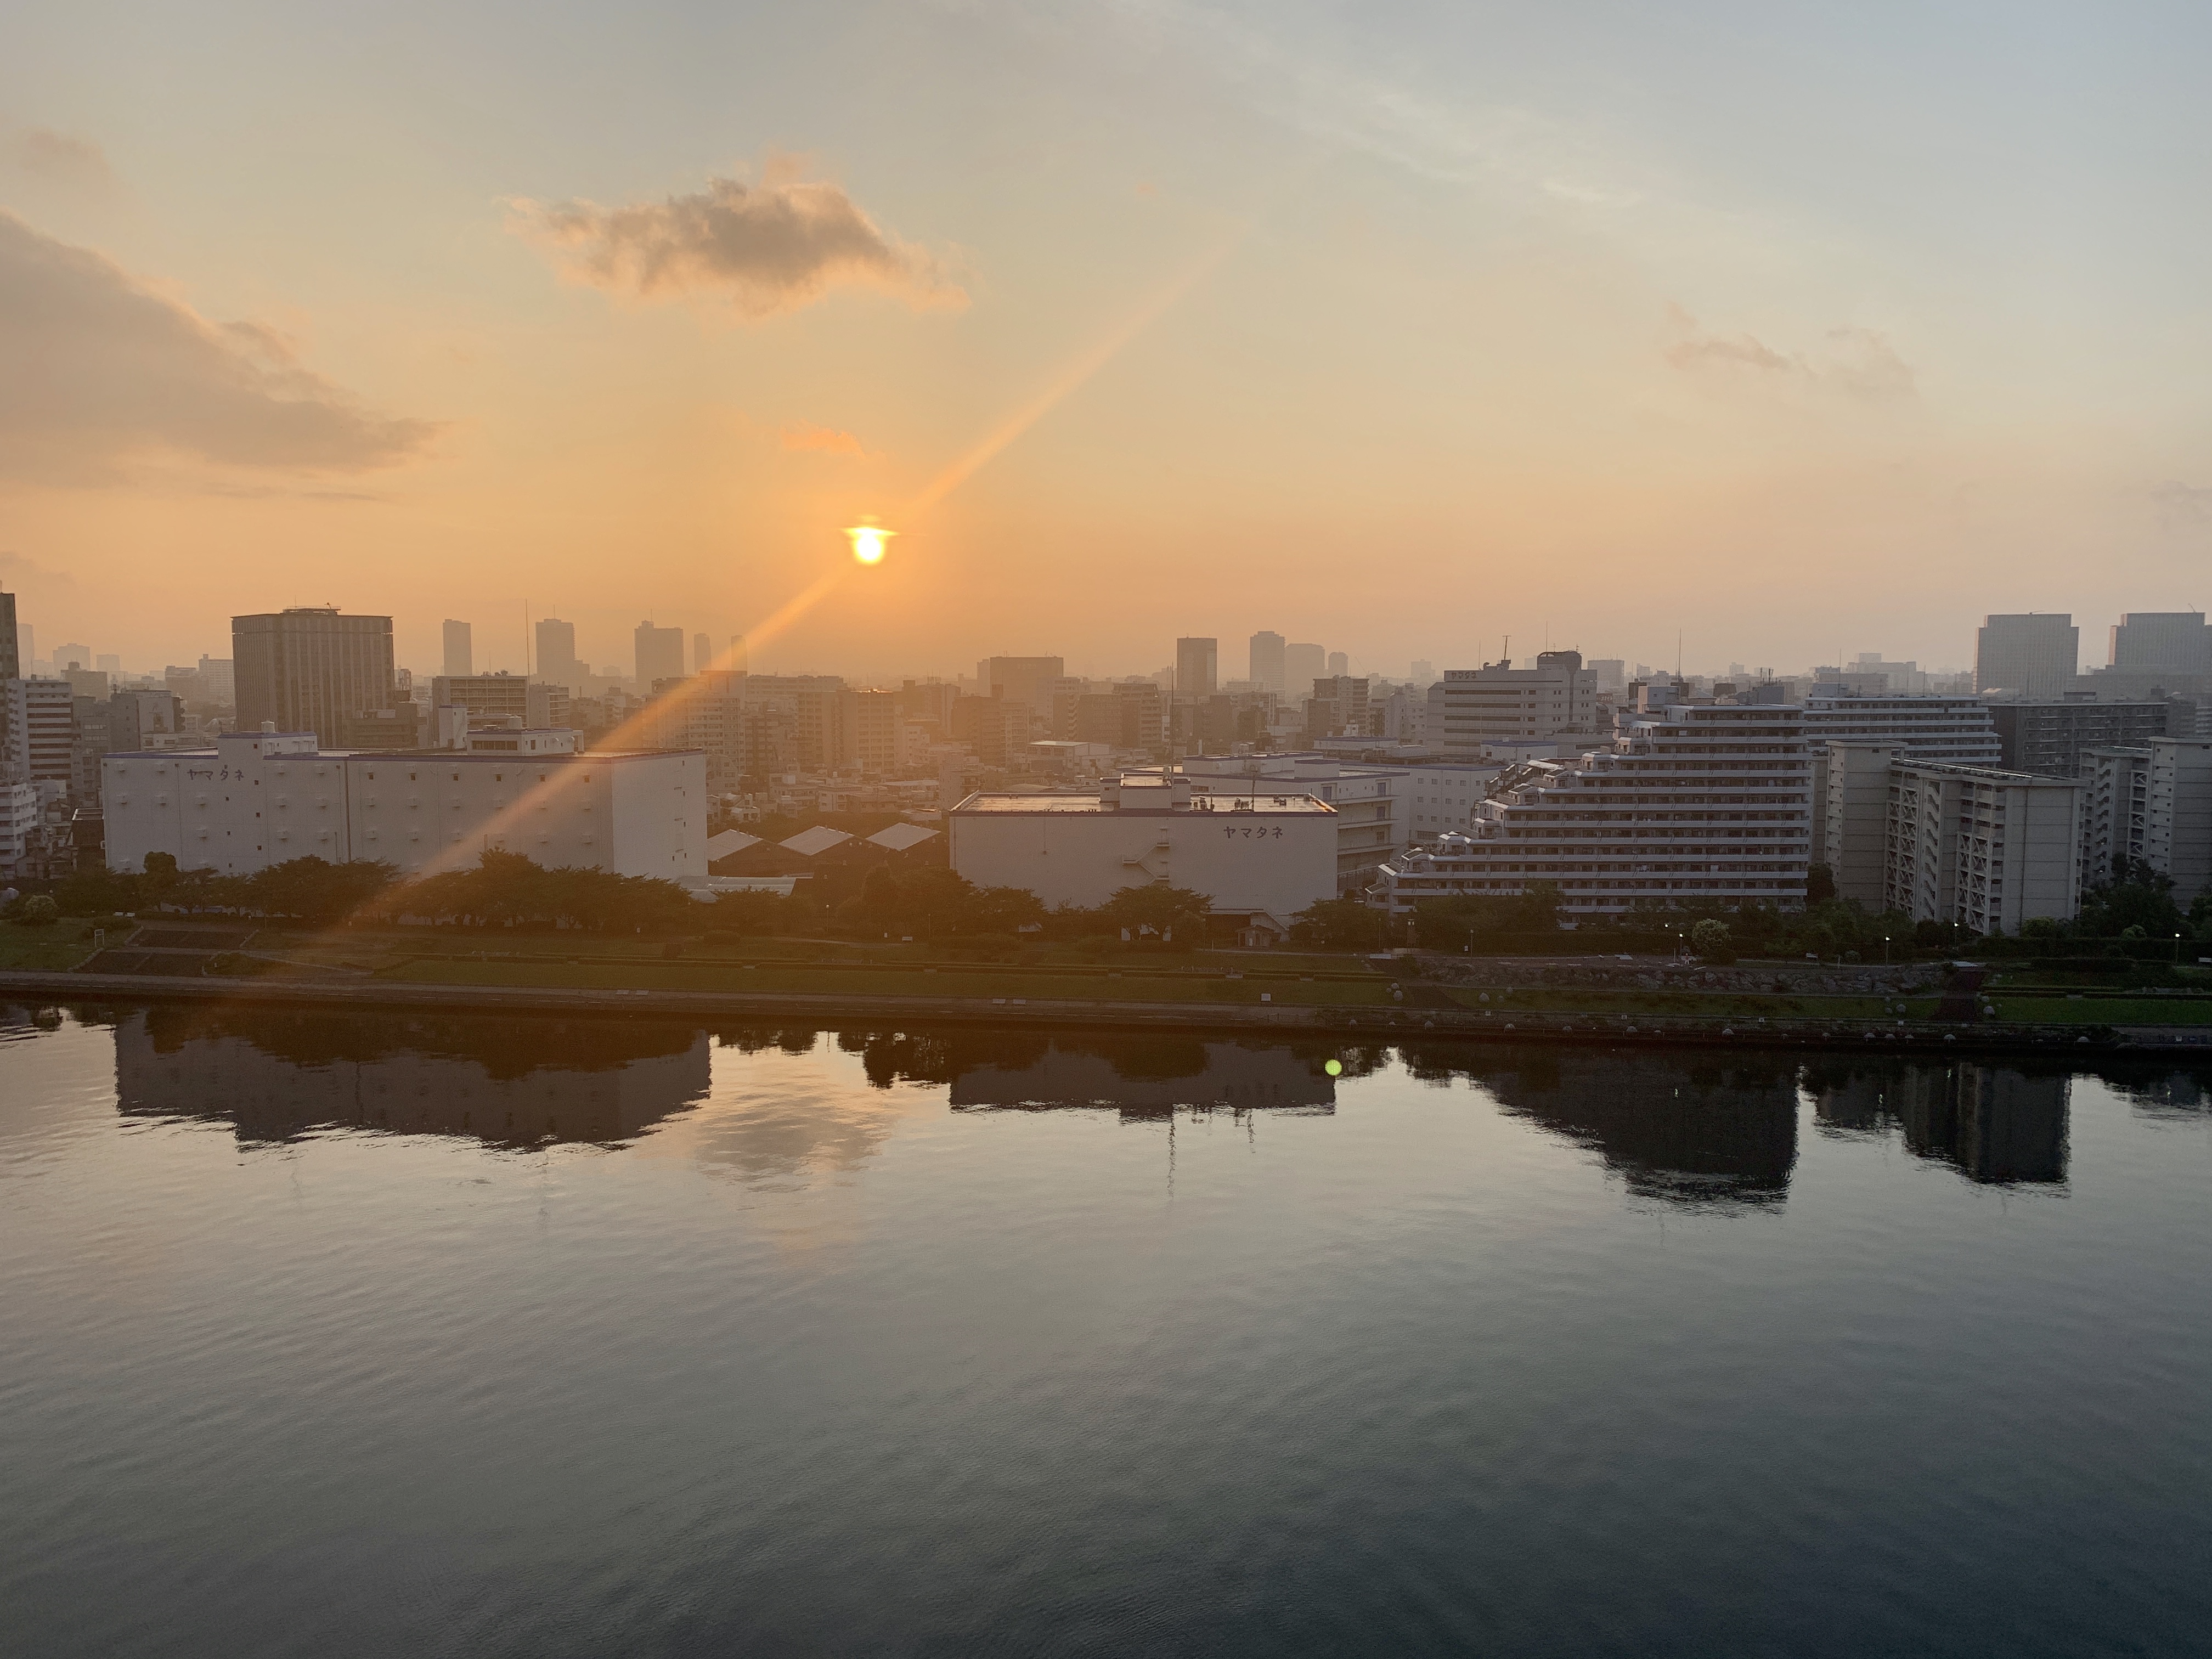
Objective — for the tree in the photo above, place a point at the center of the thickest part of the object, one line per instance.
(1340, 924)
(35, 910)
(1155, 907)
(1710, 939)
(1820, 884)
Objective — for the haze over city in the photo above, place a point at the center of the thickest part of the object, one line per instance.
(1281, 318)
(1134, 827)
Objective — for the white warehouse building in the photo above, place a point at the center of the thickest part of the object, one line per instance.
(263, 797)
(1261, 858)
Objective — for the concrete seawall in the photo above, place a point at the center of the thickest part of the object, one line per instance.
(1073, 1013)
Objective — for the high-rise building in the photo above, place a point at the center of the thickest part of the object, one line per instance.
(1338, 707)
(310, 669)
(1689, 804)
(38, 727)
(1424, 670)
(2049, 739)
(219, 681)
(1339, 665)
(740, 662)
(556, 653)
(461, 650)
(1499, 703)
(11, 661)
(702, 653)
(72, 656)
(660, 655)
(1024, 680)
(1197, 665)
(1986, 848)
(1303, 664)
(2032, 655)
(1612, 672)
(2175, 642)
(27, 646)
(1267, 670)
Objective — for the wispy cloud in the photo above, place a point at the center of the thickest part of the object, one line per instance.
(761, 248)
(60, 159)
(2182, 506)
(803, 436)
(1857, 362)
(97, 371)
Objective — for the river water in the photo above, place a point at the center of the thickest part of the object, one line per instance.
(334, 1335)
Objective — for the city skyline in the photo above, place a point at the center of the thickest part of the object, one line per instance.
(1263, 304)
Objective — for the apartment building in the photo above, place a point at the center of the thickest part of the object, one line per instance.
(1696, 803)
(1983, 847)
(2050, 737)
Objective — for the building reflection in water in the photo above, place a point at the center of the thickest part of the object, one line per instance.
(1141, 1074)
(1711, 1130)
(274, 1076)
(1996, 1124)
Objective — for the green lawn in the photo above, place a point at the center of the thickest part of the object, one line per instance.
(47, 950)
(2103, 1011)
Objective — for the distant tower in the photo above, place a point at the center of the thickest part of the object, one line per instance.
(2037, 655)
(1267, 662)
(702, 653)
(739, 664)
(1338, 663)
(460, 654)
(660, 655)
(556, 653)
(1302, 665)
(1196, 665)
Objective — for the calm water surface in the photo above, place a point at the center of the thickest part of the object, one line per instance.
(339, 1335)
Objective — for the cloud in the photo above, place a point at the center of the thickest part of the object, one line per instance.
(804, 435)
(762, 248)
(98, 371)
(1856, 362)
(60, 159)
(2182, 506)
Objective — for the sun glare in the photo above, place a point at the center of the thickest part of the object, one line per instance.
(868, 542)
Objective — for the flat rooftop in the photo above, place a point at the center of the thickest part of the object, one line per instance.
(1143, 801)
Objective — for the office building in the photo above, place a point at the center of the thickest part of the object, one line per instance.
(67, 657)
(2175, 643)
(1339, 706)
(1197, 667)
(1260, 858)
(1303, 664)
(1984, 848)
(218, 681)
(20, 816)
(1339, 665)
(2032, 655)
(38, 727)
(503, 696)
(1689, 804)
(1370, 801)
(659, 655)
(460, 651)
(2050, 737)
(558, 663)
(702, 653)
(1024, 680)
(1612, 672)
(1498, 703)
(1265, 663)
(309, 669)
(258, 798)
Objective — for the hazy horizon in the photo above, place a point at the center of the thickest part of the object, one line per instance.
(1402, 329)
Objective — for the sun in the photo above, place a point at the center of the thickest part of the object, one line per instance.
(869, 542)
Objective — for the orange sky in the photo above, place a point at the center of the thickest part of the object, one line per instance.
(1403, 338)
